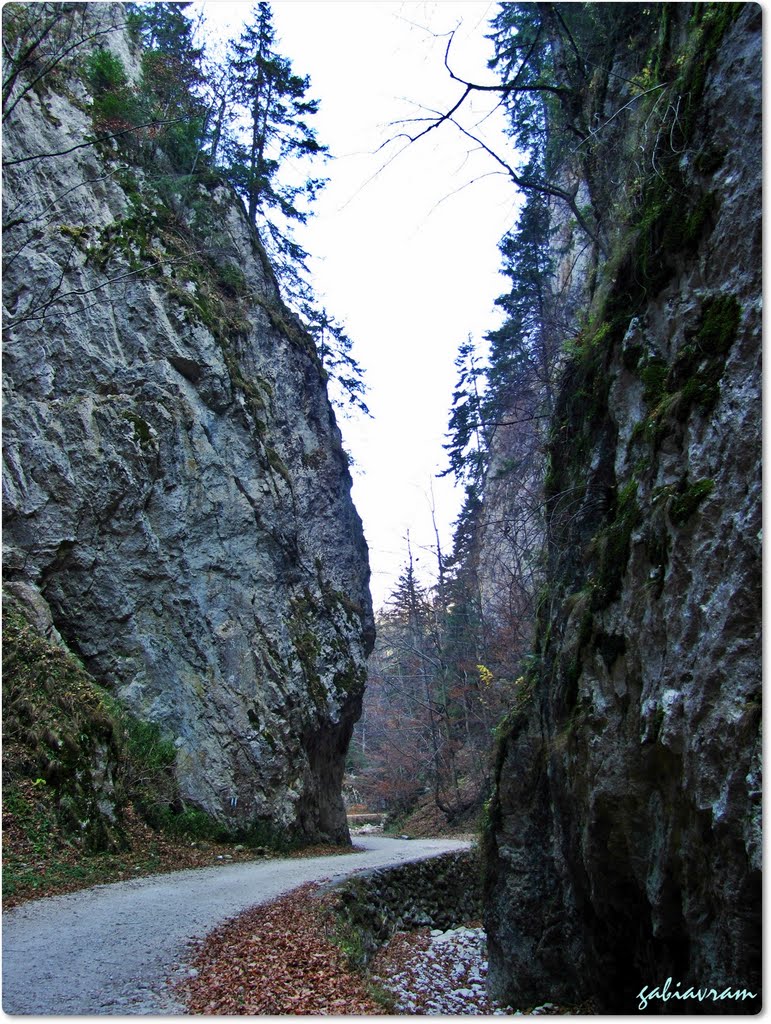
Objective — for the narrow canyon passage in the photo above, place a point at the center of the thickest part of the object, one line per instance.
(199, 582)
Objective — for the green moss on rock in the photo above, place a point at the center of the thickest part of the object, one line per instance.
(58, 732)
(74, 757)
(303, 629)
(613, 543)
(142, 431)
(684, 505)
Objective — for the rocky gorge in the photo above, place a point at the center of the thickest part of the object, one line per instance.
(177, 504)
(181, 550)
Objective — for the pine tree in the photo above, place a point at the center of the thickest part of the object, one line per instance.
(468, 442)
(523, 56)
(334, 350)
(274, 116)
(166, 28)
(171, 89)
(523, 349)
(277, 108)
(517, 383)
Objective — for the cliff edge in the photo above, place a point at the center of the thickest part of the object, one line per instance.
(176, 495)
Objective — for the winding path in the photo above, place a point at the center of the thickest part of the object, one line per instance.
(113, 948)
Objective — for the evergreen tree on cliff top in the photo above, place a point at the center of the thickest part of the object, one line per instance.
(277, 130)
(250, 121)
(276, 134)
(173, 80)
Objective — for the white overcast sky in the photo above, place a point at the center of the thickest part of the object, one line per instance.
(406, 258)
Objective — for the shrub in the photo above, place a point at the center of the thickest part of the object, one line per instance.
(105, 73)
(115, 104)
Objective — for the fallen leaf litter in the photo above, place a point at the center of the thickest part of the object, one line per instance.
(280, 958)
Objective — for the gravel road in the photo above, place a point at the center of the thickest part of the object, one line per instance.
(112, 949)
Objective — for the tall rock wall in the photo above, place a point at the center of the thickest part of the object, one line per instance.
(174, 482)
(623, 842)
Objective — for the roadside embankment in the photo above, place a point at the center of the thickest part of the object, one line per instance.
(441, 893)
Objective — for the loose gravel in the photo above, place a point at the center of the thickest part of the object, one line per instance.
(441, 973)
(118, 949)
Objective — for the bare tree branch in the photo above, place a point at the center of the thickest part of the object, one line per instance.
(92, 142)
(8, 86)
(507, 87)
(532, 185)
(593, 132)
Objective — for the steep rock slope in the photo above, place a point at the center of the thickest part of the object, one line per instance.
(174, 483)
(623, 841)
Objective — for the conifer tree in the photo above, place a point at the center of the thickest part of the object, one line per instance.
(173, 81)
(468, 443)
(522, 350)
(334, 350)
(258, 90)
(277, 109)
(165, 27)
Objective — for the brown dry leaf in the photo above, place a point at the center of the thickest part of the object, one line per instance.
(266, 962)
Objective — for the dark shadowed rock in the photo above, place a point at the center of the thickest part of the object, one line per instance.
(623, 841)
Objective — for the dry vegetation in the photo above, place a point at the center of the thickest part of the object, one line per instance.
(277, 959)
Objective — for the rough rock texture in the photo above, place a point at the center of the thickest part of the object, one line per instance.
(623, 843)
(443, 892)
(174, 482)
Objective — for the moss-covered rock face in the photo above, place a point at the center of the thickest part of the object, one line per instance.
(175, 483)
(59, 736)
(74, 757)
(623, 838)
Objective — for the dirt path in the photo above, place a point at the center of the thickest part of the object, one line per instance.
(111, 949)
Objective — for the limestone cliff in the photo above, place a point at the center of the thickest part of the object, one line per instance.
(623, 842)
(174, 483)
